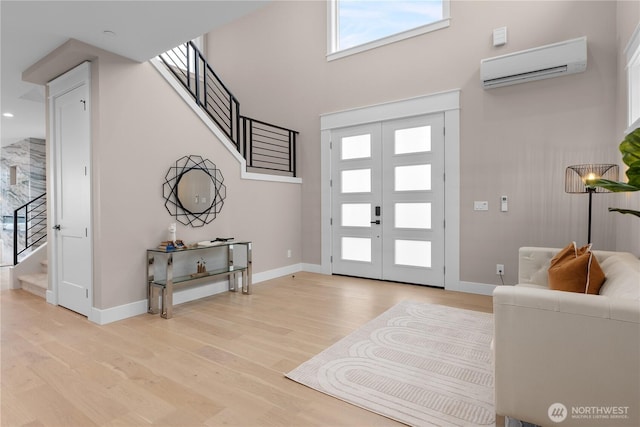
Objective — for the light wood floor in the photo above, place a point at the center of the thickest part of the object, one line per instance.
(218, 361)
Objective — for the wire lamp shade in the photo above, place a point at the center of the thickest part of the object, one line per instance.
(580, 179)
(577, 178)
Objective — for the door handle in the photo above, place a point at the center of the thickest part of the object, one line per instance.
(377, 221)
(56, 227)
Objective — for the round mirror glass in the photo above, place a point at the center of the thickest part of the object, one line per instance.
(196, 191)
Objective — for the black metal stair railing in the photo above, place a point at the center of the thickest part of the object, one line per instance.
(29, 226)
(268, 147)
(264, 146)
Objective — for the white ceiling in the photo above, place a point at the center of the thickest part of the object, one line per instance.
(29, 30)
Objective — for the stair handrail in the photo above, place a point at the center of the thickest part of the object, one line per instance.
(35, 222)
(263, 145)
(188, 64)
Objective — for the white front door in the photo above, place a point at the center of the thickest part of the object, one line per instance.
(71, 138)
(388, 200)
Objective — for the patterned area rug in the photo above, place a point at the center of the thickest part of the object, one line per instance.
(420, 364)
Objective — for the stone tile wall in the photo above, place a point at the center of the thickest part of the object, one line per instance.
(28, 157)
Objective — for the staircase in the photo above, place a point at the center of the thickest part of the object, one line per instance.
(36, 283)
(267, 148)
(29, 227)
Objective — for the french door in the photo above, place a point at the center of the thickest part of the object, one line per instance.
(388, 200)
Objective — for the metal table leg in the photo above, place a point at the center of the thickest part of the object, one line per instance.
(167, 292)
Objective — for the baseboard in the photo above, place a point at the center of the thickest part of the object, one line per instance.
(110, 315)
(51, 297)
(312, 268)
(474, 288)
(113, 314)
(277, 272)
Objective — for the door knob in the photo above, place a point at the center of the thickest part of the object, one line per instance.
(56, 227)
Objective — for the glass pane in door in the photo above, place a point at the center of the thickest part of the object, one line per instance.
(356, 215)
(356, 181)
(356, 249)
(356, 147)
(413, 215)
(413, 140)
(412, 178)
(414, 253)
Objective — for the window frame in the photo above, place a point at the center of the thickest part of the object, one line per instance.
(332, 32)
(632, 52)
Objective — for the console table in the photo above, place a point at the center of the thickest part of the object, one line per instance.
(167, 259)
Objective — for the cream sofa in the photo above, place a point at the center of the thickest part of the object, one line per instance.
(567, 355)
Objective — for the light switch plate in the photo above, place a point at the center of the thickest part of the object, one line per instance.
(481, 205)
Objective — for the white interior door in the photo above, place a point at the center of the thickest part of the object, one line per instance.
(388, 200)
(72, 190)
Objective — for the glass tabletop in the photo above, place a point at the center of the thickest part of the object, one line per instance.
(198, 246)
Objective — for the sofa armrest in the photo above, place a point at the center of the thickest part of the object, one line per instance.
(560, 347)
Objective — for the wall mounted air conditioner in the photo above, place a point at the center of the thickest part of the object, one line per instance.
(539, 63)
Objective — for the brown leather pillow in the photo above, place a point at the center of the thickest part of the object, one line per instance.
(576, 269)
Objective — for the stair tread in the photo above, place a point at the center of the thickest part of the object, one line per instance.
(37, 279)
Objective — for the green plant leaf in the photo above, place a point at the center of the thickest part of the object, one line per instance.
(615, 186)
(630, 148)
(625, 211)
(633, 175)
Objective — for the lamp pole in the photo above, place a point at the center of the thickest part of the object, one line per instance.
(590, 190)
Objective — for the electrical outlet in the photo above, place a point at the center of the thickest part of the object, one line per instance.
(288, 253)
(500, 269)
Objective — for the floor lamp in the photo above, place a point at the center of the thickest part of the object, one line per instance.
(580, 179)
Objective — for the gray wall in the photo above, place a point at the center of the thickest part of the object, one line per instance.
(142, 128)
(515, 140)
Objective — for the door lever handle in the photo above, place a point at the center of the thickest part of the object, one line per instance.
(56, 227)
(377, 221)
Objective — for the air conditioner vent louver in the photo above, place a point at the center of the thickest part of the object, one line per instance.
(539, 63)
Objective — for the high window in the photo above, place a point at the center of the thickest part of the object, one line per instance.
(358, 25)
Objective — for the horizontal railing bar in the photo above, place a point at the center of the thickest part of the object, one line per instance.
(272, 139)
(28, 203)
(271, 135)
(257, 142)
(219, 91)
(273, 153)
(271, 166)
(284, 165)
(273, 159)
(268, 124)
(217, 107)
(264, 147)
(267, 150)
(34, 213)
